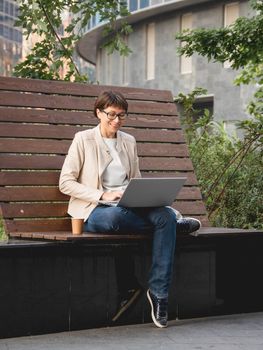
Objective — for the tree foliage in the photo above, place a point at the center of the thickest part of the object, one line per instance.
(240, 43)
(55, 49)
(229, 169)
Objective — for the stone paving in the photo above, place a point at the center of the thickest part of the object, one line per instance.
(233, 332)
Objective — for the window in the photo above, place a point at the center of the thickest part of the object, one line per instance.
(144, 3)
(16, 10)
(150, 51)
(202, 103)
(133, 5)
(6, 32)
(11, 12)
(231, 13)
(6, 4)
(186, 62)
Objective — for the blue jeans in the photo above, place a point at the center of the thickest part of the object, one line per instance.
(160, 221)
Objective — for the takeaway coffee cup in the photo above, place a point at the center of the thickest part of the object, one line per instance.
(77, 226)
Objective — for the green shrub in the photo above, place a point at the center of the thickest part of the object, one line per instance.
(228, 168)
(2, 231)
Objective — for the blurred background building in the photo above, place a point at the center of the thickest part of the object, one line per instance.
(14, 46)
(10, 37)
(154, 62)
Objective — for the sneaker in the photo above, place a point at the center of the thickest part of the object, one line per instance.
(159, 310)
(126, 301)
(187, 225)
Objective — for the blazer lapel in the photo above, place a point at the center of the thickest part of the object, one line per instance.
(123, 154)
(104, 157)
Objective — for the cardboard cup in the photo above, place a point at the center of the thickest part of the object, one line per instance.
(77, 226)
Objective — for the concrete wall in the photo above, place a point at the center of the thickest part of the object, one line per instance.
(229, 100)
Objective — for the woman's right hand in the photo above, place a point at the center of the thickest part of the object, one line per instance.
(111, 196)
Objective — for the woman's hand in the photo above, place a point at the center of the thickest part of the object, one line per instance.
(111, 196)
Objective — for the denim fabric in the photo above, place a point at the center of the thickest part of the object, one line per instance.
(160, 221)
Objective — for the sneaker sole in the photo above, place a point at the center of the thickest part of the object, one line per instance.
(157, 324)
(125, 307)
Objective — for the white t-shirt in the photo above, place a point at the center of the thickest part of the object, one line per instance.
(114, 177)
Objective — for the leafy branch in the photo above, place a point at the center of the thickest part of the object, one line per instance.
(55, 50)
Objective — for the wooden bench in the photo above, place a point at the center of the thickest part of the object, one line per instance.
(38, 122)
(47, 272)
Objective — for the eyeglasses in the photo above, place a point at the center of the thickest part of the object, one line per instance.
(112, 115)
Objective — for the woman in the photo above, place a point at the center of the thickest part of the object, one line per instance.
(99, 165)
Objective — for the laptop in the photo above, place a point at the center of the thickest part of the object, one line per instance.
(149, 192)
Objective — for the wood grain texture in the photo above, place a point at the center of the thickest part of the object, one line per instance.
(80, 89)
(42, 146)
(49, 116)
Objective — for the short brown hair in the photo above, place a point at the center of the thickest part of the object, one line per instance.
(110, 98)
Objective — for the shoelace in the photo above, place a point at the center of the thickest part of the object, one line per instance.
(161, 308)
(184, 225)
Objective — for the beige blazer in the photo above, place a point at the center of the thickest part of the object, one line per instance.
(87, 158)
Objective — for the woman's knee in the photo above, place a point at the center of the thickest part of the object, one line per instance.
(105, 219)
(114, 218)
(163, 215)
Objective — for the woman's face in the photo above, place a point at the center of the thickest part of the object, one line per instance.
(108, 127)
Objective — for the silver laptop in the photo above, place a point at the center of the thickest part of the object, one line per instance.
(149, 192)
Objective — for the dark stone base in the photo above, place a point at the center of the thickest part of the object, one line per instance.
(55, 287)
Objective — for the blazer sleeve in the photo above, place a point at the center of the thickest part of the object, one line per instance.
(136, 167)
(68, 181)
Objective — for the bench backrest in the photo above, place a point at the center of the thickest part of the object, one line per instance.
(38, 121)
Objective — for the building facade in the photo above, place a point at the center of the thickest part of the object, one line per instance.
(154, 62)
(10, 37)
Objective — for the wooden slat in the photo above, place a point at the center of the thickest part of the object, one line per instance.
(191, 178)
(226, 232)
(39, 131)
(31, 162)
(17, 145)
(46, 101)
(67, 132)
(55, 162)
(31, 194)
(145, 135)
(80, 89)
(29, 178)
(53, 194)
(42, 225)
(23, 210)
(78, 103)
(160, 150)
(28, 115)
(17, 178)
(208, 232)
(176, 164)
(89, 236)
(148, 107)
(190, 208)
(48, 236)
(30, 210)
